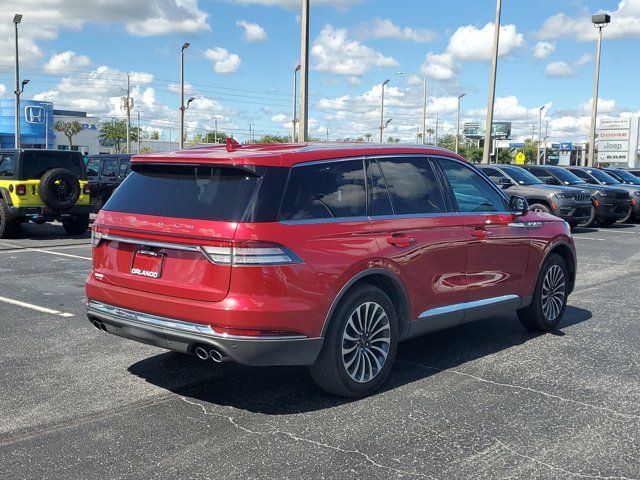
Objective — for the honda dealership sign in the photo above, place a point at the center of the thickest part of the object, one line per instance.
(618, 141)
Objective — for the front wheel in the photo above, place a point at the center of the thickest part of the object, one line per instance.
(76, 225)
(360, 345)
(591, 220)
(539, 207)
(549, 298)
(627, 217)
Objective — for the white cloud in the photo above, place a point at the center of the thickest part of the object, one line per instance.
(470, 43)
(585, 59)
(559, 69)
(280, 118)
(334, 52)
(253, 32)
(67, 61)
(140, 18)
(3, 90)
(385, 28)
(604, 106)
(510, 108)
(626, 19)
(439, 66)
(543, 49)
(223, 60)
(340, 4)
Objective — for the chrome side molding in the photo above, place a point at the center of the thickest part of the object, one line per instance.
(459, 307)
(525, 224)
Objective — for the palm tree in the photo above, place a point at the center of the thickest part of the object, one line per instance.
(69, 129)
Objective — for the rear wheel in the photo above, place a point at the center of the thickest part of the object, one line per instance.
(8, 225)
(360, 345)
(592, 219)
(539, 207)
(76, 225)
(549, 298)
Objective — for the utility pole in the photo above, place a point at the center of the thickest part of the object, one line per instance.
(303, 136)
(251, 133)
(185, 45)
(127, 105)
(539, 133)
(492, 85)
(437, 125)
(382, 109)
(424, 101)
(458, 124)
(215, 130)
(294, 119)
(327, 139)
(599, 21)
(17, 18)
(139, 132)
(546, 135)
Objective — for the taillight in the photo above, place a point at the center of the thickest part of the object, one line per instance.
(21, 189)
(596, 203)
(249, 253)
(96, 236)
(86, 189)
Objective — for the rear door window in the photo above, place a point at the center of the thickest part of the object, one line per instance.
(123, 169)
(7, 165)
(109, 167)
(196, 192)
(413, 185)
(325, 190)
(471, 191)
(36, 163)
(93, 167)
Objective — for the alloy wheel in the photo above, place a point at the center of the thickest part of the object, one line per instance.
(366, 340)
(553, 293)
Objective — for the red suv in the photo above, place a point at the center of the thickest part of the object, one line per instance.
(324, 255)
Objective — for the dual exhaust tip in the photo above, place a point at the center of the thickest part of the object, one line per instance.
(99, 325)
(213, 354)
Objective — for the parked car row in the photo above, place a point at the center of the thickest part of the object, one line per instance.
(581, 196)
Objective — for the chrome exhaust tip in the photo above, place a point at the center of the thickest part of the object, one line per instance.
(201, 353)
(103, 327)
(216, 356)
(96, 324)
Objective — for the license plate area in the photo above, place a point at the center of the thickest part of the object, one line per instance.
(147, 263)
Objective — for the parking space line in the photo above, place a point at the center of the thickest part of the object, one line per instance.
(591, 238)
(21, 250)
(36, 307)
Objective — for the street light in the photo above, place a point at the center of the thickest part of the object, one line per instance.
(492, 86)
(304, 72)
(185, 45)
(386, 124)
(458, 123)
(599, 21)
(17, 18)
(424, 101)
(295, 102)
(382, 125)
(539, 131)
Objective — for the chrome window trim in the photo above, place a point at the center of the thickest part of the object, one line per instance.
(403, 216)
(150, 243)
(141, 319)
(447, 309)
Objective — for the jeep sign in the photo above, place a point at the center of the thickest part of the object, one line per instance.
(613, 146)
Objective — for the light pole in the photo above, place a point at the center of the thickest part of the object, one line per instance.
(295, 103)
(215, 130)
(458, 123)
(539, 131)
(17, 18)
(382, 125)
(138, 132)
(304, 73)
(492, 85)
(599, 21)
(185, 45)
(424, 101)
(182, 132)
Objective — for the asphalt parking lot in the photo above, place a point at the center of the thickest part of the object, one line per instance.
(484, 400)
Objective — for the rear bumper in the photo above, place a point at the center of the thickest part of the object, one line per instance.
(48, 212)
(181, 336)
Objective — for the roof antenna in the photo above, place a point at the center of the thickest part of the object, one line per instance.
(232, 144)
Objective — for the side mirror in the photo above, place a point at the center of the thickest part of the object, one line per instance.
(518, 205)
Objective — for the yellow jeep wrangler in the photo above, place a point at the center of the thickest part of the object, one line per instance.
(42, 186)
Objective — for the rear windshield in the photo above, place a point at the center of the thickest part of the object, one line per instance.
(205, 193)
(622, 174)
(521, 176)
(35, 164)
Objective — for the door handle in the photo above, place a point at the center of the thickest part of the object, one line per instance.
(481, 233)
(400, 241)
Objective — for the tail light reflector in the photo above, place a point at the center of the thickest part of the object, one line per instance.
(86, 189)
(21, 189)
(241, 332)
(596, 203)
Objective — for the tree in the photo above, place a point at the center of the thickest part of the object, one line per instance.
(211, 137)
(155, 135)
(447, 141)
(69, 129)
(430, 132)
(393, 140)
(115, 132)
(268, 138)
(368, 136)
(531, 151)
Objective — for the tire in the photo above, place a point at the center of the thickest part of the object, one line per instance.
(539, 207)
(591, 221)
(76, 225)
(546, 310)
(60, 189)
(8, 226)
(627, 217)
(345, 366)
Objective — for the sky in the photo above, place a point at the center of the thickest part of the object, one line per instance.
(239, 66)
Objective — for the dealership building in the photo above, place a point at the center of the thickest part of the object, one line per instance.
(36, 127)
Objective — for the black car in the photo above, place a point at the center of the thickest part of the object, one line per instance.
(623, 176)
(634, 171)
(610, 204)
(105, 173)
(573, 205)
(596, 176)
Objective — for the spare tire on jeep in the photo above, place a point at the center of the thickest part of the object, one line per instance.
(59, 188)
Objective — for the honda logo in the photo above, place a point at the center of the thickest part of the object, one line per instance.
(34, 114)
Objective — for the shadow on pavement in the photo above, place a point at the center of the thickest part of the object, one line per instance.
(289, 390)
